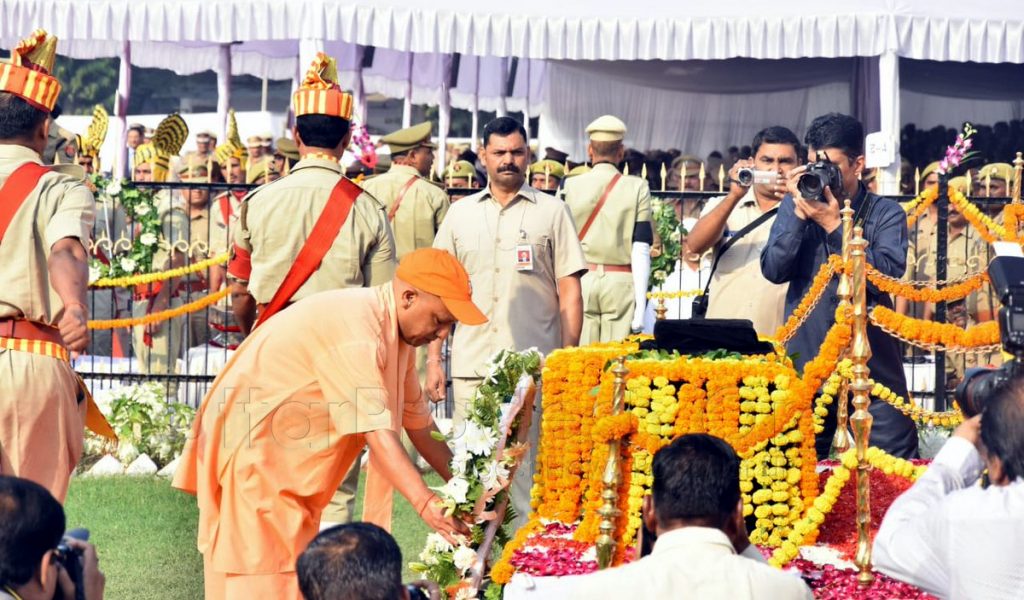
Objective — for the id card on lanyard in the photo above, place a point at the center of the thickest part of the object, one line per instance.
(524, 253)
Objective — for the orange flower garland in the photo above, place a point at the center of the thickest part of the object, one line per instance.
(989, 230)
(955, 291)
(917, 207)
(1012, 215)
(937, 335)
(818, 284)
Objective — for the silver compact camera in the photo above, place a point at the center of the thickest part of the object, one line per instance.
(748, 177)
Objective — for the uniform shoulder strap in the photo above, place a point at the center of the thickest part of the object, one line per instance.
(16, 190)
(400, 197)
(320, 239)
(600, 204)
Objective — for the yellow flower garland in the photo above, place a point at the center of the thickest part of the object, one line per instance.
(163, 315)
(988, 229)
(133, 280)
(805, 530)
(674, 295)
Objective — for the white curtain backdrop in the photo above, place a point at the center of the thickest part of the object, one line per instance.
(665, 114)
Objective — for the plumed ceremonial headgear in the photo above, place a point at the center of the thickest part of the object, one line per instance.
(168, 138)
(27, 75)
(320, 93)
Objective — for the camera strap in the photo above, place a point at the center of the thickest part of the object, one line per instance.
(735, 238)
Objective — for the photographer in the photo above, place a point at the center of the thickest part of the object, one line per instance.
(807, 230)
(742, 219)
(33, 559)
(955, 539)
(356, 561)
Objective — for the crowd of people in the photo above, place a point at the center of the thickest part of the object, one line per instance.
(347, 295)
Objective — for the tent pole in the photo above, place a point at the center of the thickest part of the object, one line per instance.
(526, 103)
(124, 92)
(358, 91)
(474, 134)
(224, 87)
(407, 103)
(889, 117)
(502, 105)
(263, 95)
(444, 120)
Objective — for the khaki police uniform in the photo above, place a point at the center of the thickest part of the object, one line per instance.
(423, 206)
(522, 306)
(159, 351)
(277, 218)
(274, 223)
(608, 298)
(41, 420)
(110, 228)
(738, 289)
(966, 253)
(61, 146)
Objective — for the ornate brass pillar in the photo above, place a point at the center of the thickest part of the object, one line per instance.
(609, 512)
(861, 419)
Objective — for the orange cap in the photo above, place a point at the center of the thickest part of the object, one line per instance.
(438, 272)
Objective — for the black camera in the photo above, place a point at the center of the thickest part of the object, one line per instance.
(818, 176)
(1006, 273)
(71, 559)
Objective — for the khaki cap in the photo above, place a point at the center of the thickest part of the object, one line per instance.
(286, 148)
(578, 170)
(260, 170)
(1002, 171)
(206, 133)
(409, 138)
(931, 168)
(553, 168)
(253, 141)
(461, 168)
(606, 129)
(692, 164)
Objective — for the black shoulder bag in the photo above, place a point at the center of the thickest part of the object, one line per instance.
(700, 303)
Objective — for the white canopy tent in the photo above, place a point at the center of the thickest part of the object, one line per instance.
(280, 37)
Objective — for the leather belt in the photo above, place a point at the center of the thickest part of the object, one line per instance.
(21, 329)
(610, 268)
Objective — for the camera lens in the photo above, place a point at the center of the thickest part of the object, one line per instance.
(745, 176)
(811, 186)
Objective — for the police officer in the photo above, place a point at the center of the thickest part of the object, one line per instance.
(612, 213)
(546, 175)
(45, 222)
(415, 206)
(276, 260)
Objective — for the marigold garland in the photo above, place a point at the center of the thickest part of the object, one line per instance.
(674, 295)
(805, 530)
(145, 278)
(933, 336)
(917, 207)
(956, 291)
(163, 315)
(810, 299)
(1012, 215)
(989, 230)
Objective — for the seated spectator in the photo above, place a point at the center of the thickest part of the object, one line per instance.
(356, 561)
(697, 515)
(951, 537)
(31, 527)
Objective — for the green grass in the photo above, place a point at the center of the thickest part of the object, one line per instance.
(145, 534)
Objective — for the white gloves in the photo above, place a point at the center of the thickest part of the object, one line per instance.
(640, 260)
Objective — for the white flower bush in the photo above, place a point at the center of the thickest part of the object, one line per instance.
(145, 420)
(148, 239)
(478, 473)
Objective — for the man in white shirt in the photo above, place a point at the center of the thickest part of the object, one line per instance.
(738, 289)
(697, 514)
(951, 537)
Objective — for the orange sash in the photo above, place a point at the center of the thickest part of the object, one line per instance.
(600, 203)
(16, 190)
(320, 239)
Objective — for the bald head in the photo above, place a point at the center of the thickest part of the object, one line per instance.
(422, 316)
